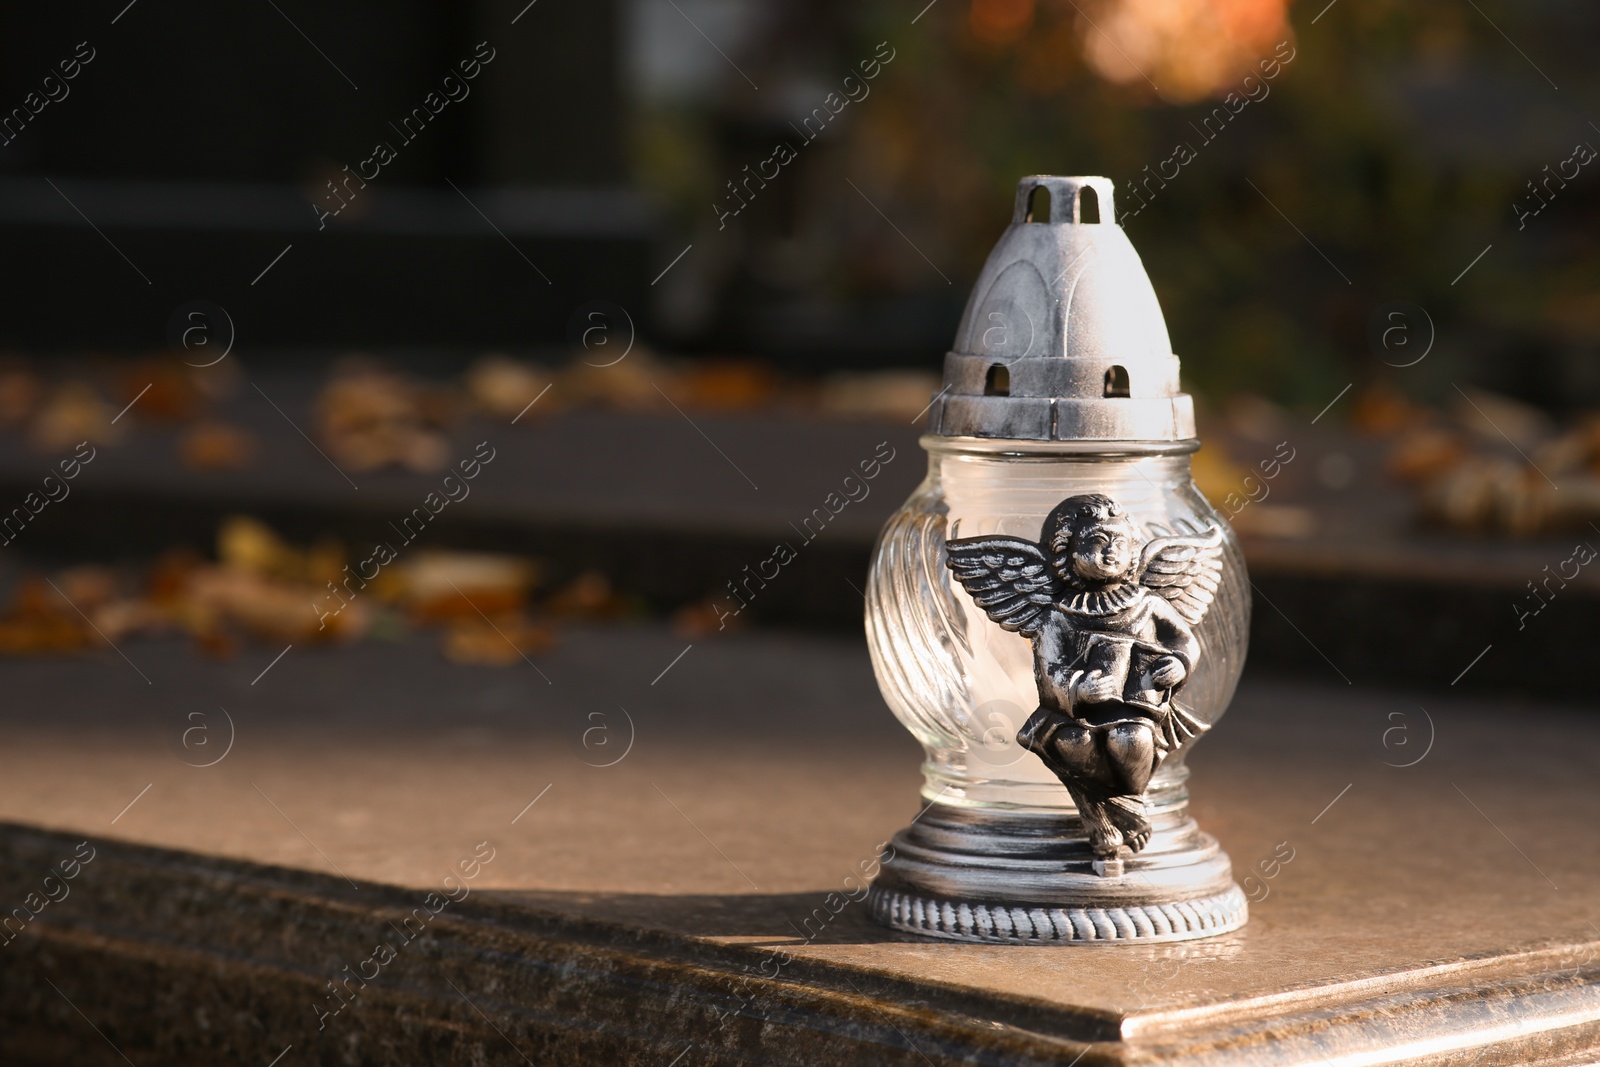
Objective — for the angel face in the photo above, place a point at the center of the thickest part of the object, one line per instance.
(1091, 540)
(1103, 552)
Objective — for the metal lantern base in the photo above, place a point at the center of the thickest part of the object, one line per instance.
(1006, 877)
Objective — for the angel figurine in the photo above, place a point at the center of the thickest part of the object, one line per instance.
(1112, 628)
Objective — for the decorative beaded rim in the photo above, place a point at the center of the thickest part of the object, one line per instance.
(1001, 923)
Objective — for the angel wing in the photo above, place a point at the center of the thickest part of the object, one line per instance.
(1185, 567)
(1008, 577)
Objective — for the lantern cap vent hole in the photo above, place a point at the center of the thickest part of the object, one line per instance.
(1087, 206)
(1039, 205)
(997, 382)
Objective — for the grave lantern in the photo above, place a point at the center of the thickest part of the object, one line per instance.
(1057, 614)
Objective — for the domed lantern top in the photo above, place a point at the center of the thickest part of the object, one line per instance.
(1063, 338)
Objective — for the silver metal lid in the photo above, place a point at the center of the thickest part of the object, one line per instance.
(1063, 338)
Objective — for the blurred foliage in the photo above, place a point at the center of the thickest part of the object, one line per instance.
(1384, 157)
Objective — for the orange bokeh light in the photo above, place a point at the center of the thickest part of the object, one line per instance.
(1184, 49)
(1000, 22)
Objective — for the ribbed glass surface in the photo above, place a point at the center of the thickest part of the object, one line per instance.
(961, 684)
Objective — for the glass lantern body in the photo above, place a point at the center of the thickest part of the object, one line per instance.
(963, 685)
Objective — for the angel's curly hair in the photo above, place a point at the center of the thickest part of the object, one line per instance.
(1076, 515)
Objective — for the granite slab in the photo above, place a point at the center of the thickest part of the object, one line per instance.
(680, 886)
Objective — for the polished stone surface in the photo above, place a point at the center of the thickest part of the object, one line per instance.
(1450, 901)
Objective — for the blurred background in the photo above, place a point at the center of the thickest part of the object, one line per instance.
(683, 263)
